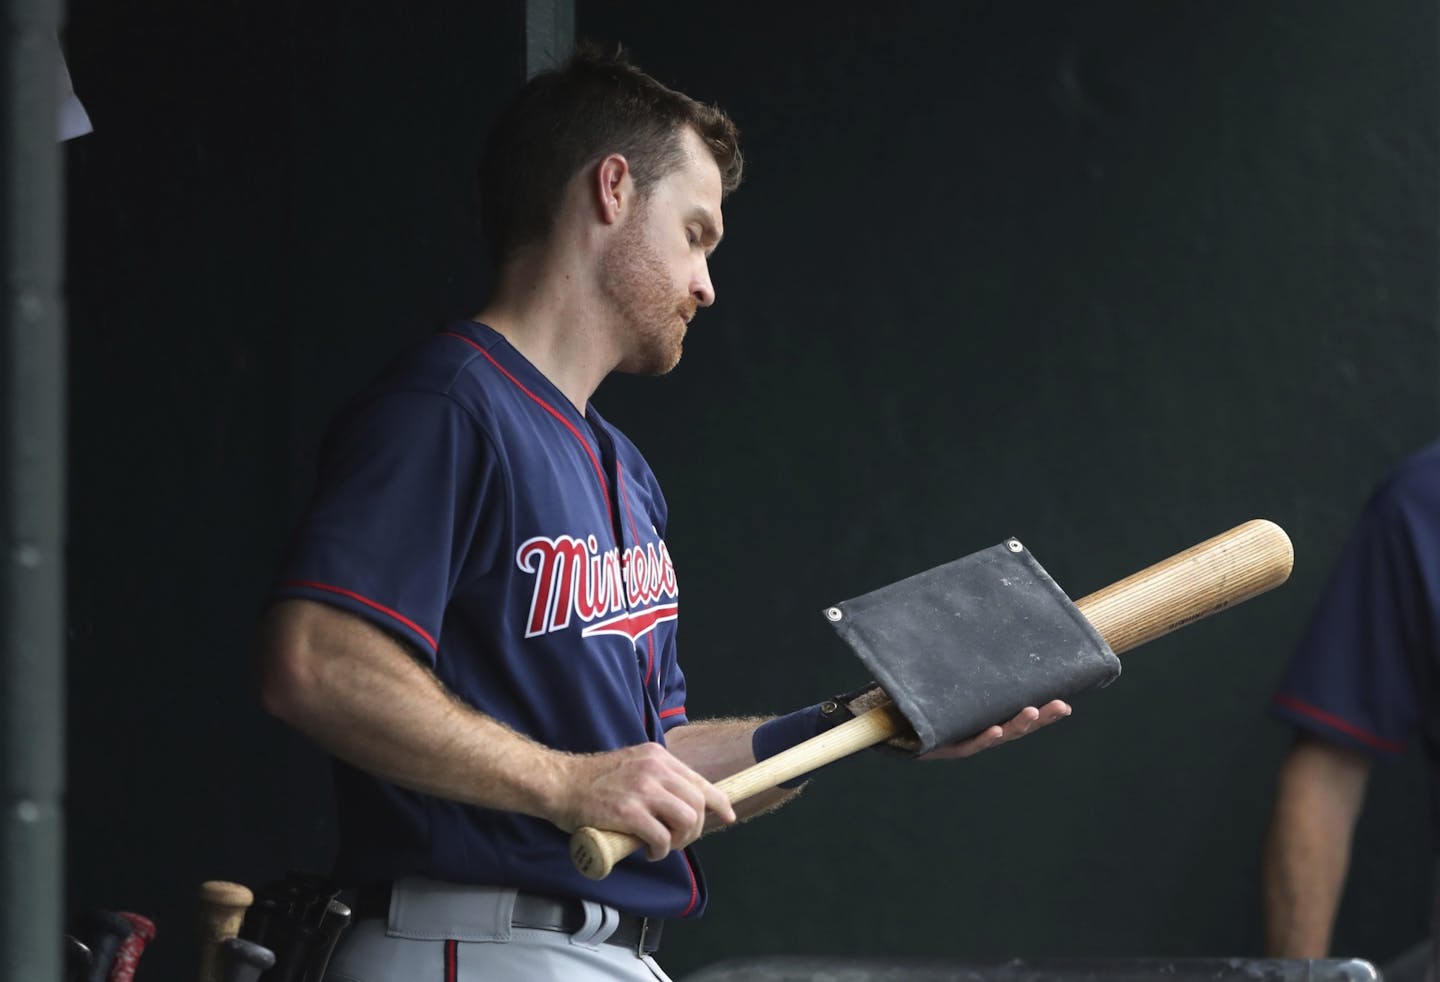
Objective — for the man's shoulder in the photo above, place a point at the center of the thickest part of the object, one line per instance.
(455, 363)
(1412, 483)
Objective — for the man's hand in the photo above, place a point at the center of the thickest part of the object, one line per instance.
(644, 790)
(1028, 720)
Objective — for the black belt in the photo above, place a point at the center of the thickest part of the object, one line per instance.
(639, 934)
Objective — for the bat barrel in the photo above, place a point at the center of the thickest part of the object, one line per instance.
(1206, 578)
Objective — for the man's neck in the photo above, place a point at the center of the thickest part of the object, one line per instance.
(550, 318)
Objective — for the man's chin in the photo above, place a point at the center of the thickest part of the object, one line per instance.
(652, 363)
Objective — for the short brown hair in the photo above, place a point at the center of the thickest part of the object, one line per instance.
(596, 104)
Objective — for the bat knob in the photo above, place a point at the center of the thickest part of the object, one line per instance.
(222, 908)
(596, 851)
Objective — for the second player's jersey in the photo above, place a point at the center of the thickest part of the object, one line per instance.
(467, 508)
(1367, 672)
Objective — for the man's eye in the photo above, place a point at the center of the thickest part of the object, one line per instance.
(691, 236)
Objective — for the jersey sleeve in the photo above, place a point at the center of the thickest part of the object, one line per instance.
(672, 691)
(403, 485)
(1353, 678)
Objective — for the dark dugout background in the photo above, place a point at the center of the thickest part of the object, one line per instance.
(1111, 277)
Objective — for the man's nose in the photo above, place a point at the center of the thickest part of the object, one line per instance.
(701, 288)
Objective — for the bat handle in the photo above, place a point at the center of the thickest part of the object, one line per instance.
(222, 909)
(332, 923)
(243, 960)
(596, 851)
(107, 932)
(128, 957)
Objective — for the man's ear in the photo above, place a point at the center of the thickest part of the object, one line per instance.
(614, 187)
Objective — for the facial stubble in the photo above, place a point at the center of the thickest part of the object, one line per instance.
(637, 281)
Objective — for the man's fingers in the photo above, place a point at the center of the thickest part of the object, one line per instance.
(676, 802)
(1052, 711)
(1028, 720)
(656, 836)
(683, 817)
(646, 791)
(1023, 722)
(718, 801)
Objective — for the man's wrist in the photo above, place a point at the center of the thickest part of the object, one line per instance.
(784, 732)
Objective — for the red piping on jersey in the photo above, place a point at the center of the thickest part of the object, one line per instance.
(309, 585)
(694, 886)
(450, 967)
(1344, 726)
(599, 471)
(650, 668)
(635, 535)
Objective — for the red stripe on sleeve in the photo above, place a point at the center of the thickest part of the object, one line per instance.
(1344, 726)
(677, 711)
(450, 961)
(396, 615)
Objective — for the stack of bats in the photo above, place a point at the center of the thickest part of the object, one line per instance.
(285, 933)
(106, 945)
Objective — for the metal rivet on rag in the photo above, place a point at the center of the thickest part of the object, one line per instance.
(1014, 545)
(834, 613)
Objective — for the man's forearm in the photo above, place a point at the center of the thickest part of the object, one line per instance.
(718, 748)
(1318, 794)
(357, 693)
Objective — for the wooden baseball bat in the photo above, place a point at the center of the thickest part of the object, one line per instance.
(222, 909)
(1204, 579)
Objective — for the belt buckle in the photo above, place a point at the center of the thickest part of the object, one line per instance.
(640, 951)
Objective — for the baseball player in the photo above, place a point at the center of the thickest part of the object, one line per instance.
(477, 615)
(1360, 686)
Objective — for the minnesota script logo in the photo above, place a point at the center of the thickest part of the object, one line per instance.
(573, 578)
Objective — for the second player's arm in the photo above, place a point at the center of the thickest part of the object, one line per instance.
(358, 694)
(1318, 794)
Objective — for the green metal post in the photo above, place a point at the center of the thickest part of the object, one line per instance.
(32, 460)
(549, 33)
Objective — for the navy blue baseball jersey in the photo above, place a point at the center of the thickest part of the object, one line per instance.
(467, 508)
(1366, 672)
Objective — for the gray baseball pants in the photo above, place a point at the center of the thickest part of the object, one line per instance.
(448, 932)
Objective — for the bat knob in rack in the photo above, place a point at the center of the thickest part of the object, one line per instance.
(222, 909)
